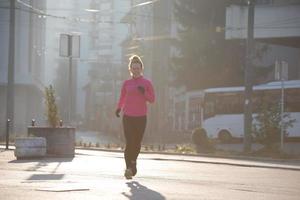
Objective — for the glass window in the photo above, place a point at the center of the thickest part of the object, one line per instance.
(264, 2)
(257, 100)
(292, 100)
(266, 97)
(209, 108)
(229, 103)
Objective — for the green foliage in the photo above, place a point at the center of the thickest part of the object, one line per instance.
(267, 125)
(199, 136)
(184, 149)
(201, 141)
(205, 58)
(52, 111)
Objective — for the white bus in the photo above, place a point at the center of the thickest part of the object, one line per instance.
(223, 115)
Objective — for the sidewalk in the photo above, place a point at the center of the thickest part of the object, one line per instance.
(287, 164)
(98, 175)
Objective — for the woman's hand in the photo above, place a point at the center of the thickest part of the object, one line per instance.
(141, 89)
(117, 113)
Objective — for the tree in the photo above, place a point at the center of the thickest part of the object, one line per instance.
(267, 125)
(52, 111)
(205, 58)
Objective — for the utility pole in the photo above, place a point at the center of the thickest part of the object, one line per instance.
(70, 47)
(249, 78)
(11, 70)
(70, 80)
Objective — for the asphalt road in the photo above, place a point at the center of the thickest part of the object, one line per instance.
(99, 175)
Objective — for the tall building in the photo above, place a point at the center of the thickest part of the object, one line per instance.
(67, 17)
(106, 33)
(29, 63)
(93, 74)
(164, 31)
(151, 29)
(276, 25)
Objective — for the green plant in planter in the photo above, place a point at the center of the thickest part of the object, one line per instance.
(267, 126)
(51, 107)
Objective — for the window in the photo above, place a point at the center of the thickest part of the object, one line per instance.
(292, 100)
(209, 106)
(229, 103)
(264, 2)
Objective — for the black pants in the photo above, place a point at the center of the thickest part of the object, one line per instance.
(134, 128)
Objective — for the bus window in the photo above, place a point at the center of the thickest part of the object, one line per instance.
(229, 103)
(209, 109)
(257, 100)
(272, 96)
(292, 100)
(267, 98)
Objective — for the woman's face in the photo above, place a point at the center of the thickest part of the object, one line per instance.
(136, 69)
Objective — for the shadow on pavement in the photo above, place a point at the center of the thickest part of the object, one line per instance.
(46, 177)
(139, 191)
(107, 151)
(42, 160)
(43, 163)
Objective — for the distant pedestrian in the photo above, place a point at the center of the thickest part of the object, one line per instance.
(135, 94)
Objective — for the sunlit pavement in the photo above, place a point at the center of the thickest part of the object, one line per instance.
(99, 175)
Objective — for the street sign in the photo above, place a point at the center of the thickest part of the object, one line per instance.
(69, 45)
(75, 46)
(64, 50)
(281, 70)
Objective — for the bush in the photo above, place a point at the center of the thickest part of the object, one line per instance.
(202, 142)
(267, 128)
(184, 149)
(199, 136)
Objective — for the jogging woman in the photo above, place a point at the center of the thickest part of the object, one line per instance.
(135, 94)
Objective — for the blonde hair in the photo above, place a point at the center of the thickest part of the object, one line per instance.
(135, 59)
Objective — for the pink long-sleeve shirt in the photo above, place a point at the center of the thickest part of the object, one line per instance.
(132, 101)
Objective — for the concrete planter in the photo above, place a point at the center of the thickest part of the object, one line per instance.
(60, 140)
(30, 147)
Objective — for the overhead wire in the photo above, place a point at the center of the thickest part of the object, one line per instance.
(264, 25)
(41, 12)
(285, 23)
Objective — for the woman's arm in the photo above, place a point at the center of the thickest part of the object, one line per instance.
(122, 96)
(149, 93)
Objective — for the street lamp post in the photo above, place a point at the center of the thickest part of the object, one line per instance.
(280, 68)
(70, 79)
(10, 98)
(248, 79)
(70, 47)
(282, 109)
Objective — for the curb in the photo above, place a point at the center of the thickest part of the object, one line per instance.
(267, 165)
(199, 155)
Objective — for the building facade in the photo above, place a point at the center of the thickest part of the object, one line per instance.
(29, 64)
(95, 71)
(151, 29)
(276, 26)
(106, 64)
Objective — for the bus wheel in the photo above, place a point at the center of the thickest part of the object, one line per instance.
(224, 136)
